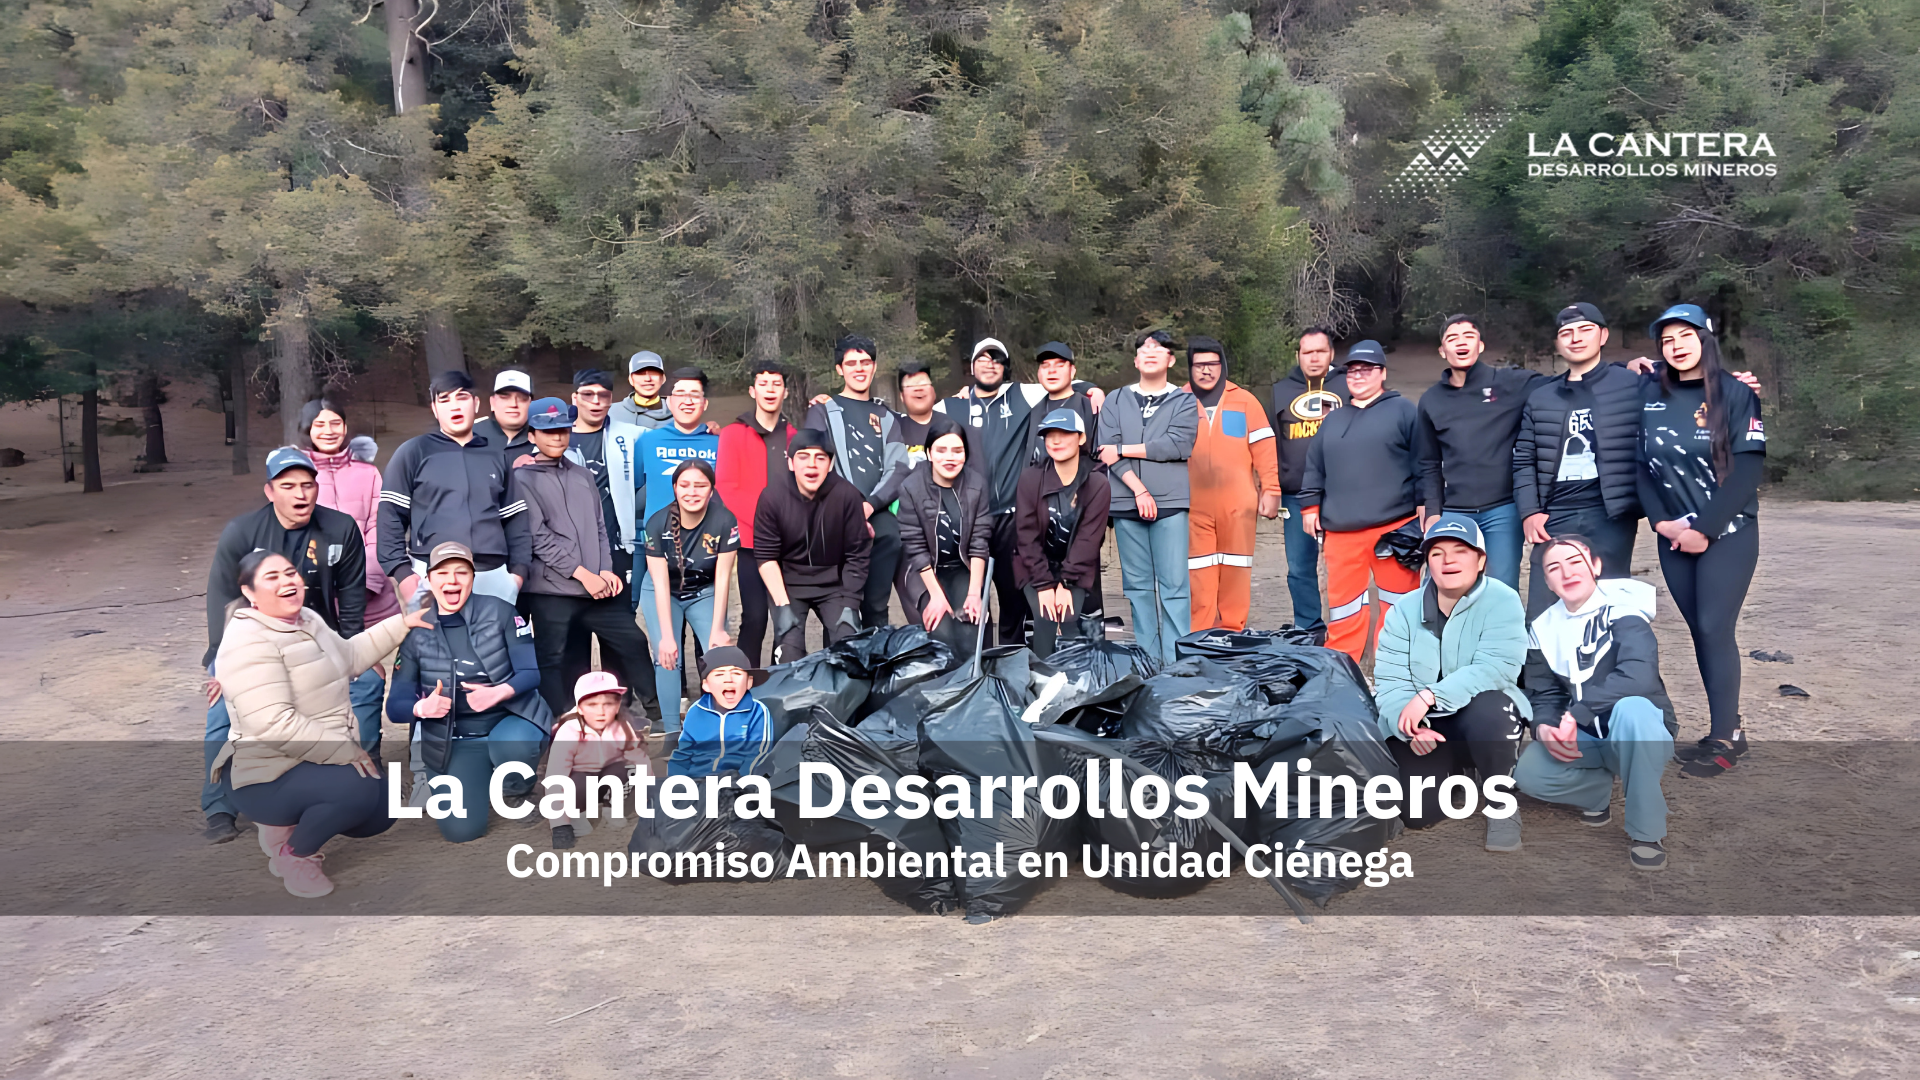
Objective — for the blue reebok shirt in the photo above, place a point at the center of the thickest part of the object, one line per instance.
(661, 451)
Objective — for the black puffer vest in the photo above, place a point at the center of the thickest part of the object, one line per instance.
(491, 626)
(1617, 397)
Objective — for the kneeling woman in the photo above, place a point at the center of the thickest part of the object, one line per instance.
(1600, 709)
(469, 682)
(944, 542)
(294, 754)
(1446, 678)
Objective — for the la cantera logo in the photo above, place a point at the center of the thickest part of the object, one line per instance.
(1653, 154)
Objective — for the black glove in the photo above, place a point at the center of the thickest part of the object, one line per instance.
(785, 618)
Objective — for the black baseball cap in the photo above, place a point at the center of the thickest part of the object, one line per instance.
(730, 656)
(1578, 313)
(809, 439)
(1160, 336)
(1055, 348)
(1367, 352)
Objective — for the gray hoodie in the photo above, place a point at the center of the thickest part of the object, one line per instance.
(1168, 435)
(566, 523)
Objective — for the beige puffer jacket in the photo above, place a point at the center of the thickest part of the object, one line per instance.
(287, 691)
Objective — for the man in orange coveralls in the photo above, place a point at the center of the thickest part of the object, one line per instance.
(1233, 474)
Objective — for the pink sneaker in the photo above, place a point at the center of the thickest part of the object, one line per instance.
(272, 839)
(301, 874)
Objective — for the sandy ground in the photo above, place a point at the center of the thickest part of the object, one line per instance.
(101, 628)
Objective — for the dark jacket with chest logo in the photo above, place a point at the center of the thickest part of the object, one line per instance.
(1466, 437)
(1299, 405)
(1617, 398)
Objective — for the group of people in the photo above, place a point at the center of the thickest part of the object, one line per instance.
(492, 552)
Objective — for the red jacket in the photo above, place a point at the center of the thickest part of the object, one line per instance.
(750, 455)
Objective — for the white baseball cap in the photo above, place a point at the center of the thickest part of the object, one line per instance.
(513, 380)
(991, 345)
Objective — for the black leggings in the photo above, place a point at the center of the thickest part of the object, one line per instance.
(753, 605)
(320, 802)
(1485, 735)
(1709, 589)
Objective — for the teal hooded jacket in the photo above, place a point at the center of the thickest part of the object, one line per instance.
(1482, 646)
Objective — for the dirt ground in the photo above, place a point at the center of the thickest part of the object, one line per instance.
(101, 628)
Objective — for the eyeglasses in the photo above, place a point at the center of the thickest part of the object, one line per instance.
(593, 395)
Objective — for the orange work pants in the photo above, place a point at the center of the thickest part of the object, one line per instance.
(1220, 564)
(1353, 624)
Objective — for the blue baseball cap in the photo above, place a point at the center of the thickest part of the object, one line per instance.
(1691, 314)
(646, 360)
(1454, 527)
(1367, 352)
(550, 414)
(1064, 420)
(289, 457)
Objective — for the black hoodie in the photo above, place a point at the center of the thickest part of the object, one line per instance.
(1361, 467)
(1299, 405)
(821, 542)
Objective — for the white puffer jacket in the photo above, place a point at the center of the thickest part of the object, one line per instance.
(287, 691)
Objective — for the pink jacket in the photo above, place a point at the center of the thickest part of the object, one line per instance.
(578, 748)
(350, 483)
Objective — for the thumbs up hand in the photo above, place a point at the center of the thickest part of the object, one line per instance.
(434, 705)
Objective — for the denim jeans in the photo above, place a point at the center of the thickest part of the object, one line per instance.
(697, 612)
(1637, 749)
(1501, 527)
(473, 762)
(216, 796)
(1153, 574)
(1303, 569)
(369, 693)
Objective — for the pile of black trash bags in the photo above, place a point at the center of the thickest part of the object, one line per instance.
(894, 701)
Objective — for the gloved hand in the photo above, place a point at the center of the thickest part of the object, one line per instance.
(785, 618)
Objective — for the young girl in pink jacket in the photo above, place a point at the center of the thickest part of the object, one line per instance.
(349, 483)
(596, 739)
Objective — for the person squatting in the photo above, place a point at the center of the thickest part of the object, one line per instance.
(458, 591)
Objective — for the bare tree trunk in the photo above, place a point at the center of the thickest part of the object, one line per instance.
(90, 432)
(442, 343)
(407, 55)
(407, 58)
(292, 364)
(906, 314)
(156, 430)
(242, 405)
(766, 323)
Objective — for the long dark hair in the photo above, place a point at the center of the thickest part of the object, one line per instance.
(310, 412)
(1712, 374)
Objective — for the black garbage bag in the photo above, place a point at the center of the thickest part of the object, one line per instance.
(817, 680)
(978, 732)
(858, 752)
(1184, 721)
(1402, 545)
(1331, 722)
(702, 848)
(1279, 662)
(1093, 674)
(1013, 665)
(891, 659)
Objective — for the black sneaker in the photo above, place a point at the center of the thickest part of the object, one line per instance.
(1648, 855)
(1709, 747)
(562, 837)
(1711, 757)
(220, 829)
(1596, 818)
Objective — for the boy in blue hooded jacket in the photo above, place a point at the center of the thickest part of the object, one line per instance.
(727, 730)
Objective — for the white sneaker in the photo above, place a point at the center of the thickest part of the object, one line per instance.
(580, 826)
(421, 792)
